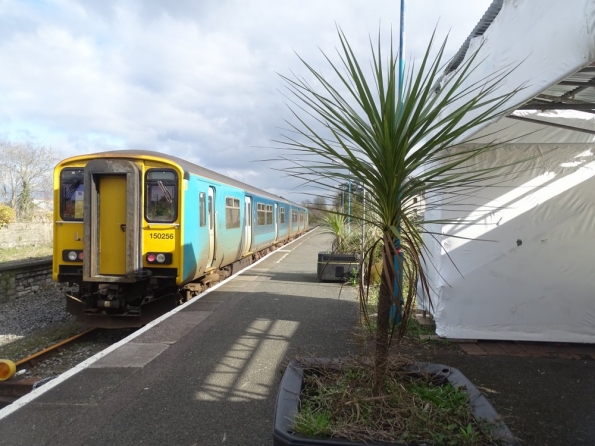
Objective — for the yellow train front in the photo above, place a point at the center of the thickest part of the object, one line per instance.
(137, 232)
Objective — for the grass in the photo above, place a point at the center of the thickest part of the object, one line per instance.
(411, 408)
(26, 252)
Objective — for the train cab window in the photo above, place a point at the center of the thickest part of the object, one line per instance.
(161, 196)
(232, 213)
(203, 209)
(261, 214)
(71, 194)
(281, 215)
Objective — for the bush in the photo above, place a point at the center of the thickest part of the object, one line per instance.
(7, 215)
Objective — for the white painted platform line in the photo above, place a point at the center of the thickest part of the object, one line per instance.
(86, 363)
(279, 261)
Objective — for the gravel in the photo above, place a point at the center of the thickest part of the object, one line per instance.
(31, 313)
(38, 320)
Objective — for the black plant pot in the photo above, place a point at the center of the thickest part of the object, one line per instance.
(336, 267)
(291, 386)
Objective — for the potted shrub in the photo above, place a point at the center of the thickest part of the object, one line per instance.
(341, 261)
(394, 137)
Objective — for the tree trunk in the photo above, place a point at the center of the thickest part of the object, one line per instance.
(385, 300)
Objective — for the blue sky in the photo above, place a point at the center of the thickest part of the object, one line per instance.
(196, 79)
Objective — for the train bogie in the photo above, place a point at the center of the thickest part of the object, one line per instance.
(132, 228)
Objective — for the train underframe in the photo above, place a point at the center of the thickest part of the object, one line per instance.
(121, 305)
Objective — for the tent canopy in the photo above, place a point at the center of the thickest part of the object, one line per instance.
(517, 264)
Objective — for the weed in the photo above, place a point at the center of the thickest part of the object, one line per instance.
(411, 408)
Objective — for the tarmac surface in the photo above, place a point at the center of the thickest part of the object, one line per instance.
(209, 374)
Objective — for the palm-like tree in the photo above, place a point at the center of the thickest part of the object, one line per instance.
(396, 142)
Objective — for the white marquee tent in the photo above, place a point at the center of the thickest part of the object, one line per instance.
(528, 272)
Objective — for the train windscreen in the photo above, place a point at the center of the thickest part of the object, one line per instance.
(72, 194)
(161, 198)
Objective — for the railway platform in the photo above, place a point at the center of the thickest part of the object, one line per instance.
(207, 374)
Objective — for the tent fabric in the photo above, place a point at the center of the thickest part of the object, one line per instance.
(519, 264)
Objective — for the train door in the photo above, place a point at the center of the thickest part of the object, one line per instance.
(112, 225)
(211, 217)
(111, 216)
(276, 222)
(247, 224)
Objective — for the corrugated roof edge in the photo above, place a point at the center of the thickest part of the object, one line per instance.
(479, 30)
(193, 168)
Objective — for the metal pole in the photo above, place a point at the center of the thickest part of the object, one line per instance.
(397, 306)
(349, 207)
(401, 50)
(363, 232)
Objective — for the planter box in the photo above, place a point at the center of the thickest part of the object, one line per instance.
(291, 386)
(336, 267)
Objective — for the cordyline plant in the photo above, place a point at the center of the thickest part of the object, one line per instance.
(397, 144)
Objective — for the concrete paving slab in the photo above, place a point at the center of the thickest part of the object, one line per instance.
(173, 329)
(133, 354)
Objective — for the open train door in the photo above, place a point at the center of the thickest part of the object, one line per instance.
(211, 218)
(247, 225)
(111, 214)
(276, 222)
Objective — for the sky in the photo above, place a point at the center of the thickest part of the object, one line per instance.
(199, 79)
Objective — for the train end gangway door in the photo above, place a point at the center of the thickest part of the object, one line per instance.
(247, 224)
(211, 218)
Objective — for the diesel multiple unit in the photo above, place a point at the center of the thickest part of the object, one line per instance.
(133, 228)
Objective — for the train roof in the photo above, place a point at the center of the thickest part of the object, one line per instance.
(187, 167)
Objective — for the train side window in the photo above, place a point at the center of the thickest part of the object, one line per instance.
(161, 196)
(294, 216)
(269, 211)
(232, 213)
(261, 210)
(203, 209)
(281, 215)
(72, 194)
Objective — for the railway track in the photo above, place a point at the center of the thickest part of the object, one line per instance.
(19, 385)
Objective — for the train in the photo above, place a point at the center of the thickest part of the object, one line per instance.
(138, 232)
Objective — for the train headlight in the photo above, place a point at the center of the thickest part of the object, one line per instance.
(160, 258)
(150, 258)
(72, 255)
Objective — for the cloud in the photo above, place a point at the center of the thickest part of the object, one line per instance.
(195, 79)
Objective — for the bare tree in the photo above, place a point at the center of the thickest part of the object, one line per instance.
(25, 174)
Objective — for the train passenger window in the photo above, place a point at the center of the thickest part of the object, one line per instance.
(71, 194)
(294, 216)
(269, 210)
(203, 209)
(161, 198)
(232, 213)
(261, 214)
(281, 215)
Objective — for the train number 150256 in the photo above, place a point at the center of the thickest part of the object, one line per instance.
(161, 236)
